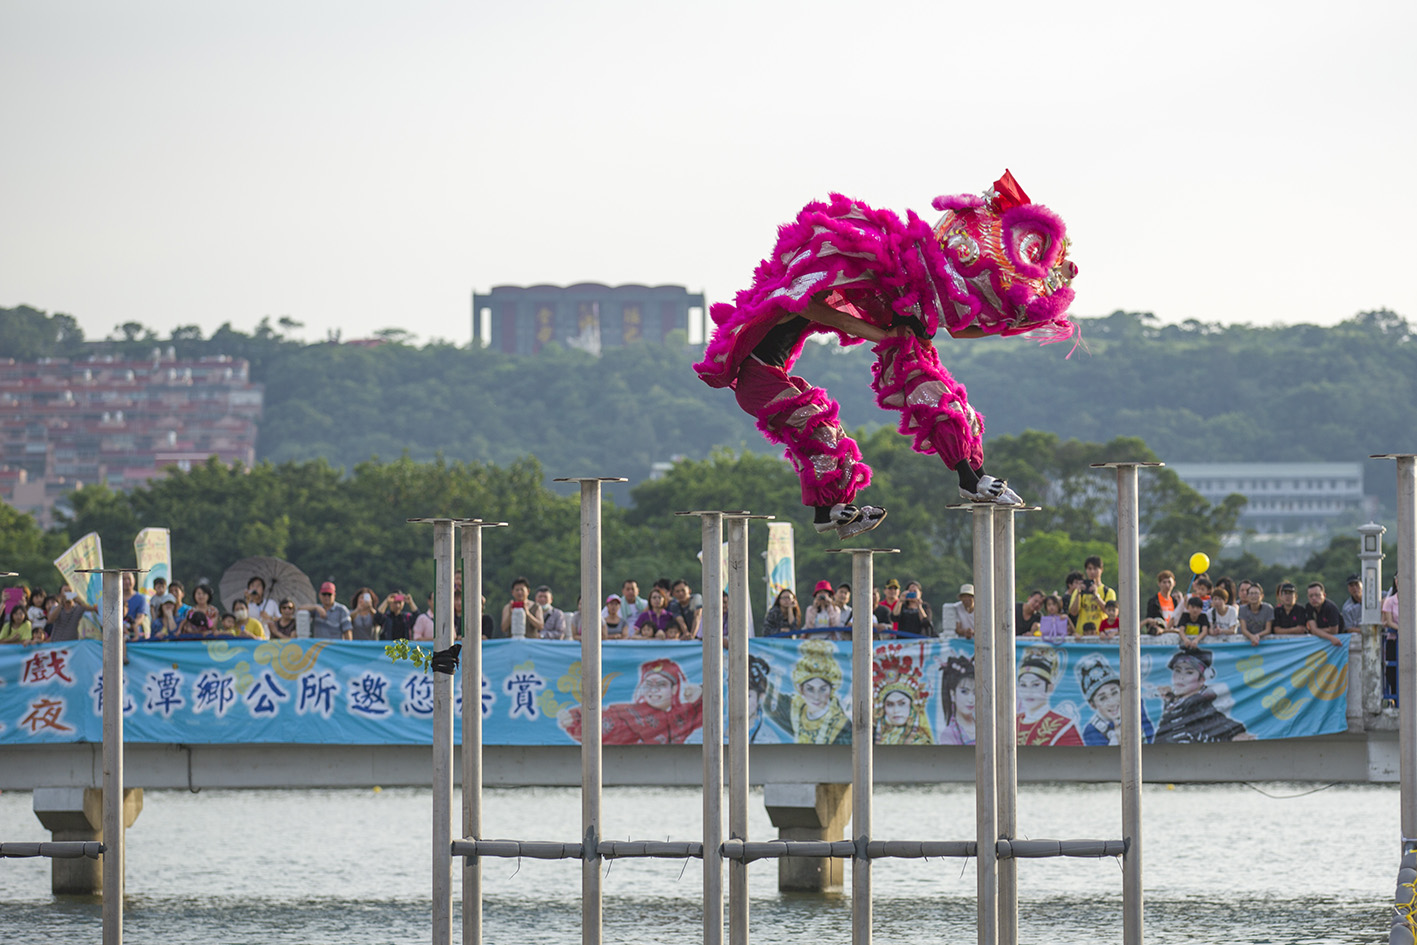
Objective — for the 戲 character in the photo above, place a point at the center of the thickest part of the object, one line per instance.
(957, 701)
(665, 710)
(814, 714)
(1102, 688)
(900, 702)
(993, 265)
(1190, 714)
(1038, 722)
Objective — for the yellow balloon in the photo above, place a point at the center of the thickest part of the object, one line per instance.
(1199, 562)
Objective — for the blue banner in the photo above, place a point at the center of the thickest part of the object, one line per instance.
(346, 692)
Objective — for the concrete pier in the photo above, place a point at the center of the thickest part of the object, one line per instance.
(809, 812)
(75, 813)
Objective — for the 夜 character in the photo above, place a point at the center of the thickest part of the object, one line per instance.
(900, 699)
(957, 701)
(814, 714)
(1190, 714)
(1038, 722)
(665, 710)
(994, 265)
(1102, 688)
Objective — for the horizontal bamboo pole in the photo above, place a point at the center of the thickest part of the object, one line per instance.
(1045, 848)
(56, 849)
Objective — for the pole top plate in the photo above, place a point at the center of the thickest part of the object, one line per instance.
(971, 506)
(1392, 456)
(863, 551)
(591, 479)
(748, 515)
(8, 574)
(1122, 465)
(110, 570)
(448, 521)
(716, 512)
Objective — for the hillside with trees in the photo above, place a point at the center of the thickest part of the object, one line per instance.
(1195, 391)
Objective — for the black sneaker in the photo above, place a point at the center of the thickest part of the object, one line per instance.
(840, 514)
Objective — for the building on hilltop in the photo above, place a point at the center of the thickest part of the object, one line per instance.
(589, 316)
(65, 424)
(1285, 498)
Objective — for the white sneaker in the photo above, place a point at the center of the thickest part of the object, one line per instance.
(870, 516)
(992, 490)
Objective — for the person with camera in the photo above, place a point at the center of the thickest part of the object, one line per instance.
(823, 611)
(396, 617)
(258, 605)
(912, 614)
(1088, 603)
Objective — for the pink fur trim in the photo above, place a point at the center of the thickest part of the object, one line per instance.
(942, 426)
(957, 202)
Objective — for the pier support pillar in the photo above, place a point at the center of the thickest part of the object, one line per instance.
(809, 812)
(73, 813)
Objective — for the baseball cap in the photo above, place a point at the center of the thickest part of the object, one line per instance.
(1354, 579)
(616, 598)
(893, 583)
(327, 588)
(967, 589)
(823, 586)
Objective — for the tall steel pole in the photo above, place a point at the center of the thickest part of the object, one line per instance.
(711, 629)
(592, 777)
(863, 739)
(111, 620)
(1006, 716)
(738, 618)
(986, 825)
(1406, 574)
(472, 724)
(1129, 653)
(442, 736)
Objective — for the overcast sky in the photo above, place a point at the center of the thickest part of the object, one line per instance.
(367, 165)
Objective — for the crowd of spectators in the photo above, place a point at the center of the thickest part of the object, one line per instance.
(1086, 607)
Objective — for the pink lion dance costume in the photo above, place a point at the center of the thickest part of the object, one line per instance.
(995, 265)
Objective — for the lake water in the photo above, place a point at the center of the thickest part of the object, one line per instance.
(1224, 864)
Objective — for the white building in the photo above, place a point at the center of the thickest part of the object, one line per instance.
(1285, 497)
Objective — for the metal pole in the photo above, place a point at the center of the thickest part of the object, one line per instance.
(1006, 717)
(592, 779)
(1129, 653)
(1406, 573)
(863, 740)
(442, 736)
(711, 623)
(592, 906)
(738, 723)
(113, 686)
(986, 826)
(863, 744)
(472, 727)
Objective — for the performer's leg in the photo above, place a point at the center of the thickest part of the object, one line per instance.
(803, 418)
(935, 411)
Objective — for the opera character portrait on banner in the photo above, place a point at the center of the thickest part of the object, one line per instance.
(900, 697)
(1195, 710)
(1039, 723)
(956, 704)
(813, 713)
(1102, 688)
(666, 710)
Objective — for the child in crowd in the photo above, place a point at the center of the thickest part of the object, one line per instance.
(1193, 624)
(1111, 623)
(1224, 619)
